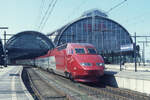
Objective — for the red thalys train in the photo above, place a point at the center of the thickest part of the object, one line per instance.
(77, 61)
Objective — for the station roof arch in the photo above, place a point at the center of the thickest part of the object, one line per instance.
(60, 35)
(94, 27)
(28, 45)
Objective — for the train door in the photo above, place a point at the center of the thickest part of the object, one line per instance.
(61, 57)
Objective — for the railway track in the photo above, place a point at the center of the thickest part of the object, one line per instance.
(78, 91)
(71, 92)
(44, 90)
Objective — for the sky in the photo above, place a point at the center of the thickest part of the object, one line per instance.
(22, 15)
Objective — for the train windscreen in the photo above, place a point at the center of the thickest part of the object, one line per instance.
(80, 50)
(91, 51)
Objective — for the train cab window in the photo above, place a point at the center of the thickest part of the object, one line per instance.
(80, 50)
(91, 51)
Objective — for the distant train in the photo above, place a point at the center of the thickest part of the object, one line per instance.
(76, 61)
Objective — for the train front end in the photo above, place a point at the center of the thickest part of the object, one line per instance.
(87, 65)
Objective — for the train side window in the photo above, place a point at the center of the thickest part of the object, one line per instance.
(62, 47)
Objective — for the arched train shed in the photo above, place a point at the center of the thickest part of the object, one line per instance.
(28, 45)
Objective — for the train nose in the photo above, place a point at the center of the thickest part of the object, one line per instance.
(89, 75)
(94, 72)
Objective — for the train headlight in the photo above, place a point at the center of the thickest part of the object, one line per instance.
(85, 64)
(100, 64)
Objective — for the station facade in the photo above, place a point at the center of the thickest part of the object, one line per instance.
(96, 28)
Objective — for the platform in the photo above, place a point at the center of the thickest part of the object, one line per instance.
(129, 79)
(11, 85)
(129, 67)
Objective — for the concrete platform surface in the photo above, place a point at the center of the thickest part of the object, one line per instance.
(129, 67)
(138, 81)
(144, 75)
(11, 85)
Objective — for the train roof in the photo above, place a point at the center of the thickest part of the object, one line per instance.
(80, 44)
(75, 45)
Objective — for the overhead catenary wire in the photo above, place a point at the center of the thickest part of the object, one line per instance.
(42, 8)
(45, 14)
(42, 5)
(50, 12)
(40, 13)
(116, 6)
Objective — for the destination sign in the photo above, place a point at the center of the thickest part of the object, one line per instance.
(128, 47)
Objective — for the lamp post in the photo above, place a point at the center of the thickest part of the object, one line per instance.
(135, 53)
(5, 57)
(120, 59)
